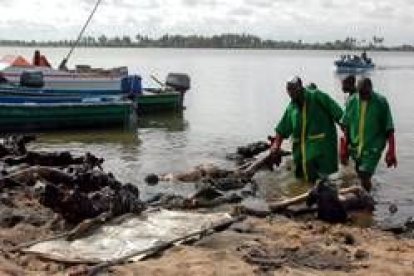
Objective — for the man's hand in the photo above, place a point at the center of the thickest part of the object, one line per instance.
(343, 151)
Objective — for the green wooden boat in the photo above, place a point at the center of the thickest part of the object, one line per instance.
(150, 103)
(64, 115)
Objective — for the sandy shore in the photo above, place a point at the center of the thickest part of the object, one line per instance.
(286, 247)
(279, 246)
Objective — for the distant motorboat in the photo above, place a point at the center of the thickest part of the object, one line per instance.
(354, 64)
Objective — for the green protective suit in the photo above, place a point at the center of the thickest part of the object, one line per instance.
(368, 124)
(313, 131)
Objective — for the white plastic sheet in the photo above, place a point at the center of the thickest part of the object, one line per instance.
(133, 234)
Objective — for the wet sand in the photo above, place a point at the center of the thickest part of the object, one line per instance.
(286, 247)
(277, 246)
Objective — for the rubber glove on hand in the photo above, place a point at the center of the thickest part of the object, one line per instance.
(343, 151)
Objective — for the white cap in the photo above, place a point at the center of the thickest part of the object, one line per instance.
(294, 80)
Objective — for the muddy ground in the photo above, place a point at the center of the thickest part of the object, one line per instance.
(269, 246)
(276, 246)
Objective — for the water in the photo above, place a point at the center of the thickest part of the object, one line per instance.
(237, 97)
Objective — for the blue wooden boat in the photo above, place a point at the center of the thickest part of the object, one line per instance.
(19, 97)
(354, 64)
(148, 100)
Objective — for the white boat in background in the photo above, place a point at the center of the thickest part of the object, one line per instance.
(83, 77)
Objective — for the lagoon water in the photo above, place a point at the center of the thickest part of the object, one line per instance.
(236, 97)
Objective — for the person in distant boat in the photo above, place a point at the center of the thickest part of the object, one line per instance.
(310, 120)
(356, 58)
(368, 126)
(365, 58)
(349, 85)
(40, 60)
(3, 78)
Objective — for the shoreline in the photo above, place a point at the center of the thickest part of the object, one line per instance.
(397, 50)
(41, 198)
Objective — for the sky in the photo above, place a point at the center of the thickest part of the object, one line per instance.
(307, 20)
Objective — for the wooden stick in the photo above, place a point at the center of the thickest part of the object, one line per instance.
(276, 206)
(157, 81)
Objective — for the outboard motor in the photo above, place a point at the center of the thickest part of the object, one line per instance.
(179, 82)
(131, 85)
(32, 79)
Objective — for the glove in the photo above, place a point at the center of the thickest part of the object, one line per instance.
(271, 140)
(390, 158)
(343, 151)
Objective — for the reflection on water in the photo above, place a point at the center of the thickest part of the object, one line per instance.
(94, 136)
(170, 121)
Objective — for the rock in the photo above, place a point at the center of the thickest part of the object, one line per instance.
(361, 254)
(39, 188)
(152, 179)
(255, 207)
(349, 239)
(6, 200)
(227, 183)
(10, 217)
(206, 191)
(409, 223)
(393, 208)
(242, 227)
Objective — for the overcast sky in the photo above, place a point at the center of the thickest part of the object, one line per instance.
(309, 20)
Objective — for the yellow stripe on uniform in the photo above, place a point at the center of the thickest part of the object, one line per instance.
(303, 142)
(316, 136)
(361, 130)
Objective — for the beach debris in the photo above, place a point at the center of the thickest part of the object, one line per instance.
(332, 204)
(314, 256)
(75, 187)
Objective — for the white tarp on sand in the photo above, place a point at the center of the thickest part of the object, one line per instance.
(133, 234)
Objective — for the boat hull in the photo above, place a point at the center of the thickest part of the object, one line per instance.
(153, 103)
(55, 79)
(64, 115)
(353, 67)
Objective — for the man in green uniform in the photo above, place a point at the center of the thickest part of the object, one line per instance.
(368, 125)
(310, 120)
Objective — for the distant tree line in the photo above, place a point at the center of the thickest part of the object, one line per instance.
(224, 41)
